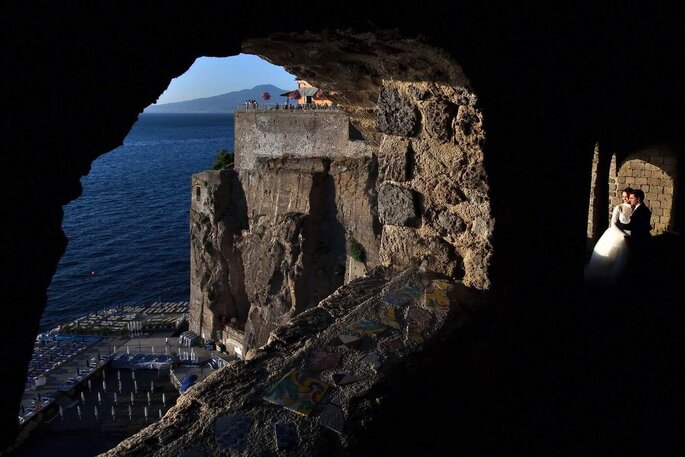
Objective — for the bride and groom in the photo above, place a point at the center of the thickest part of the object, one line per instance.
(625, 241)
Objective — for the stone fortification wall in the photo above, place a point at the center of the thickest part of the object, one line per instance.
(355, 204)
(290, 133)
(655, 171)
(432, 186)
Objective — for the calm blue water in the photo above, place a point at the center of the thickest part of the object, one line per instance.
(130, 226)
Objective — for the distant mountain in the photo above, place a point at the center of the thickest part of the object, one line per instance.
(224, 103)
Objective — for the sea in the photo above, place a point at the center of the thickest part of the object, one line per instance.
(129, 238)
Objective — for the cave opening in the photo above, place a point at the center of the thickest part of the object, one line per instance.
(549, 79)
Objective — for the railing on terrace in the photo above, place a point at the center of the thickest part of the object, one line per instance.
(284, 106)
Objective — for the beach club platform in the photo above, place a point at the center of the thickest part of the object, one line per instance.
(64, 358)
(142, 361)
(73, 378)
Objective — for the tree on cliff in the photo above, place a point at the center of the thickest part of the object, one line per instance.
(224, 159)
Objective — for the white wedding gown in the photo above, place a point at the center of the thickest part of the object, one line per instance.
(610, 255)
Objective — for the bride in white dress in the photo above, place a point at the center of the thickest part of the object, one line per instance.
(610, 254)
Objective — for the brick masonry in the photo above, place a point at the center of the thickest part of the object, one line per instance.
(654, 171)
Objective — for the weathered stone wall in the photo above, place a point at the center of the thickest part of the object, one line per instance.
(655, 171)
(301, 212)
(593, 227)
(355, 200)
(275, 187)
(289, 133)
(433, 188)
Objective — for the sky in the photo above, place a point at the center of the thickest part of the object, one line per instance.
(210, 76)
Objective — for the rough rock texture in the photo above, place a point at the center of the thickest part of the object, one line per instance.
(396, 115)
(273, 262)
(300, 213)
(286, 248)
(439, 118)
(292, 255)
(394, 159)
(217, 216)
(396, 205)
(403, 246)
(447, 178)
(393, 321)
(355, 199)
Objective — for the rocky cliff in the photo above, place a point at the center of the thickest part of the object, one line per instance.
(271, 238)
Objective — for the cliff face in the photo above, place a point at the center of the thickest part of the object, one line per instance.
(294, 253)
(302, 192)
(279, 246)
(217, 217)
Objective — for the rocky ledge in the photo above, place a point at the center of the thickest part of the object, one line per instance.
(320, 380)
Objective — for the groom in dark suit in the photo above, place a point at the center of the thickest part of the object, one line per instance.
(640, 227)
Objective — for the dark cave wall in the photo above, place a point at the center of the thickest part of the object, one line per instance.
(550, 82)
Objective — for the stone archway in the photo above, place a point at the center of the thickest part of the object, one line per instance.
(655, 171)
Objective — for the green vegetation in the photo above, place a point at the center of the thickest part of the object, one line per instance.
(224, 159)
(356, 250)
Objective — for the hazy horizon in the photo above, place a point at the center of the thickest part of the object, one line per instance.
(211, 76)
(217, 95)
